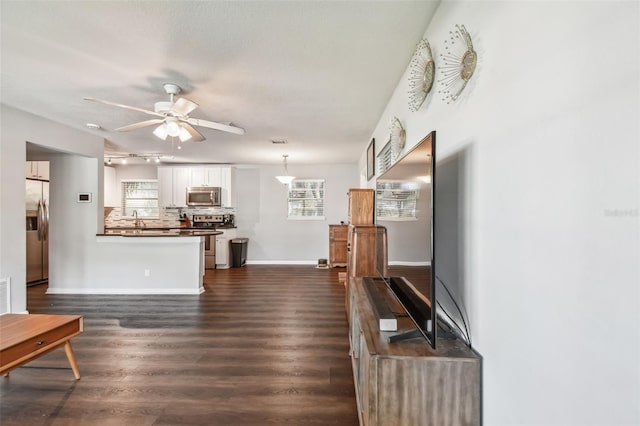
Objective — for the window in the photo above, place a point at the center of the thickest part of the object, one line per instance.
(306, 199)
(140, 196)
(384, 158)
(396, 200)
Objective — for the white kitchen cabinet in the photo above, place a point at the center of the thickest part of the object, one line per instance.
(227, 185)
(165, 186)
(172, 186)
(43, 170)
(220, 176)
(32, 170)
(204, 176)
(180, 183)
(37, 170)
(223, 251)
(197, 177)
(111, 198)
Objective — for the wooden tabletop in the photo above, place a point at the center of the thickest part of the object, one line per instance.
(16, 328)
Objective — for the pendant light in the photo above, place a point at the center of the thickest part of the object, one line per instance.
(286, 179)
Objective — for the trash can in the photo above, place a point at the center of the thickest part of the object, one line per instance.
(239, 252)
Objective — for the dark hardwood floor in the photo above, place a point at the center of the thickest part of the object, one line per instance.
(264, 345)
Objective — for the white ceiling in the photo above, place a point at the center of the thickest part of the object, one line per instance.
(315, 73)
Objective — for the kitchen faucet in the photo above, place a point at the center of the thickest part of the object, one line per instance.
(137, 222)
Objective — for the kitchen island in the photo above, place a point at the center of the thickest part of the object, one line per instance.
(148, 261)
(158, 232)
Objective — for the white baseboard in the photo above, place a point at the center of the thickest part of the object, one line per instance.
(126, 291)
(401, 263)
(314, 262)
(282, 262)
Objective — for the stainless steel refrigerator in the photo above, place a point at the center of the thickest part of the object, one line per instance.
(37, 205)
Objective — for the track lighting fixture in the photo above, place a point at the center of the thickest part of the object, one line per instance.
(124, 158)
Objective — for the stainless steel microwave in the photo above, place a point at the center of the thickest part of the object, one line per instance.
(203, 196)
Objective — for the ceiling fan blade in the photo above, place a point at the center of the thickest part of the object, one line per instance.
(139, 125)
(146, 111)
(183, 107)
(195, 135)
(216, 126)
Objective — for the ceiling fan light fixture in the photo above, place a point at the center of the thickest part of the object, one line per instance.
(184, 134)
(173, 127)
(173, 116)
(161, 132)
(162, 107)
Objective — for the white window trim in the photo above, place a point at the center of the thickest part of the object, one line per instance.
(396, 219)
(324, 198)
(412, 218)
(384, 159)
(306, 218)
(122, 198)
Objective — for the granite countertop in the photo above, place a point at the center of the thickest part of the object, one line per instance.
(158, 232)
(165, 228)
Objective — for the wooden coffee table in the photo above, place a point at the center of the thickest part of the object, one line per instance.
(25, 337)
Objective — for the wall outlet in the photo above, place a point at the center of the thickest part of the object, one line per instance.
(147, 272)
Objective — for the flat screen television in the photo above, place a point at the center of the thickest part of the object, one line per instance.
(405, 201)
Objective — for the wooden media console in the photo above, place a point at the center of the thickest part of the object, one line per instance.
(408, 383)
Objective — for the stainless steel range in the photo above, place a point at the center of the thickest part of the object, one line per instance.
(208, 221)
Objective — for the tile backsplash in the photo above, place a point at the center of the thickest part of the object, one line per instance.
(169, 218)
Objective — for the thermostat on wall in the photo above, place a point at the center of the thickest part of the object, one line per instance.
(84, 197)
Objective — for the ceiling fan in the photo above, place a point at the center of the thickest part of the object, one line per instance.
(174, 118)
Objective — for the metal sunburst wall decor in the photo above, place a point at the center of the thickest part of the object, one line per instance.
(421, 75)
(458, 64)
(397, 137)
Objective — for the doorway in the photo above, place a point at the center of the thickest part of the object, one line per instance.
(37, 178)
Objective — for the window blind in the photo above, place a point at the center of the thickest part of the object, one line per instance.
(384, 158)
(396, 200)
(141, 196)
(306, 199)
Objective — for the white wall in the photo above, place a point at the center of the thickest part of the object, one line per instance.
(261, 209)
(547, 137)
(17, 129)
(134, 171)
(73, 228)
(262, 212)
(78, 262)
